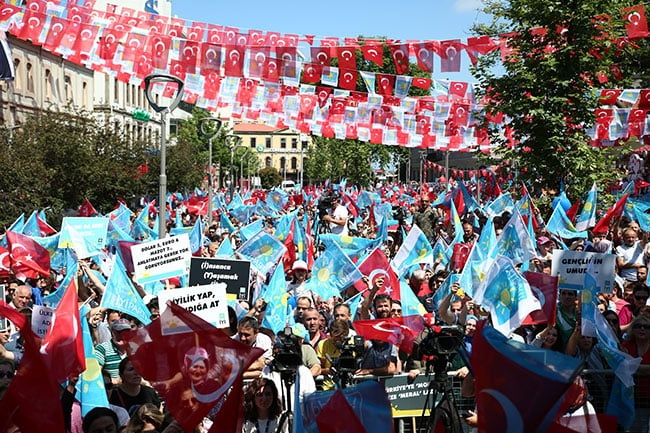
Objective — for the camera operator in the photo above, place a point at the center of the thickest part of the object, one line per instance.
(337, 217)
(329, 350)
(248, 332)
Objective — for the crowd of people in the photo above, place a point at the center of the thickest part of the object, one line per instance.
(321, 328)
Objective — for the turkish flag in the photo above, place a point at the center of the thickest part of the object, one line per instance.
(609, 96)
(348, 79)
(385, 84)
(27, 256)
(321, 56)
(506, 371)
(134, 46)
(33, 22)
(307, 105)
(257, 61)
(347, 57)
(195, 31)
(230, 417)
(86, 41)
(175, 28)
(636, 23)
(109, 42)
(450, 55)
(400, 55)
(376, 265)
(323, 94)
(5, 262)
(545, 289)
(422, 83)
(160, 47)
(63, 346)
(602, 226)
(212, 85)
(400, 331)
(460, 255)
(215, 34)
(86, 209)
(373, 53)
(32, 387)
(210, 58)
(55, 33)
(272, 70)
(311, 73)
(234, 61)
(189, 54)
(424, 55)
(168, 362)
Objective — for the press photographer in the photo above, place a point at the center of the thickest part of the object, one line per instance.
(339, 355)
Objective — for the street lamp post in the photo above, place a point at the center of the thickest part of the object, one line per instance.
(149, 82)
(209, 128)
(232, 141)
(241, 168)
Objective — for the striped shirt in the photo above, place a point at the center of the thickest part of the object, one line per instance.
(109, 357)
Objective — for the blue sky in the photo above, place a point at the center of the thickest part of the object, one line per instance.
(405, 20)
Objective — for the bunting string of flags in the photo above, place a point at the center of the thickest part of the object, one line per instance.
(260, 75)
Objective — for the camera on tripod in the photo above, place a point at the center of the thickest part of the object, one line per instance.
(352, 351)
(324, 204)
(441, 340)
(288, 355)
(399, 214)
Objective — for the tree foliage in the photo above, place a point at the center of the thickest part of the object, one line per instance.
(57, 160)
(546, 85)
(270, 177)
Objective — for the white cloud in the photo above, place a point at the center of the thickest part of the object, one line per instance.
(467, 5)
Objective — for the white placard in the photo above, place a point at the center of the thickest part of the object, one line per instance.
(571, 267)
(207, 302)
(162, 258)
(41, 319)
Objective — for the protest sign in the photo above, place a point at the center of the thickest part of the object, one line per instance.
(234, 273)
(41, 319)
(161, 258)
(571, 266)
(208, 302)
(92, 229)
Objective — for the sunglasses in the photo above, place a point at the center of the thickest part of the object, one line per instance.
(7, 374)
(641, 326)
(396, 311)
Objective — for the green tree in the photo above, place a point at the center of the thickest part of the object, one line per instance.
(547, 86)
(55, 161)
(270, 177)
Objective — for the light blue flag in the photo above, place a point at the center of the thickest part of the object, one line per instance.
(411, 305)
(90, 386)
(501, 204)
(560, 225)
(488, 238)
(225, 223)
(121, 217)
(31, 227)
(278, 309)
(116, 234)
(515, 242)
(141, 230)
(196, 236)
(458, 225)
(414, 250)
(365, 199)
(444, 290)
(507, 294)
(277, 199)
(242, 213)
(235, 202)
(250, 230)
(16, 226)
(154, 287)
(634, 206)
(621, 403)
(263, 250)
(587, 217)
(283, 225)
(72, 266)
(440, 249)
(120, 294)
(225, 249)
(300, 239)
(332, 272)
(298, 421)
(352, 246)
(642, 218)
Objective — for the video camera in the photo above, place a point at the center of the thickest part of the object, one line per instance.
(399, 214)
(440, 340)
(324, 204)
(352, 351)
(288, 356)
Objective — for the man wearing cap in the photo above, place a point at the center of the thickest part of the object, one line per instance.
(110, 353)
(338, 218)
(545, 246)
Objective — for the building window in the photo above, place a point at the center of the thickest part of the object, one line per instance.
(294, 143)
(268, 144)
(267, 161)
(48, 85)
(304, 145)
(30, 78)
(67, 85)
(283, 143)
(283, 163)
(253, 142)
(18, 80)
(294, 163)
(84, 94)
(173, 126)
(116, 91)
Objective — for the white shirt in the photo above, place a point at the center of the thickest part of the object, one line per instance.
(339, 213)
